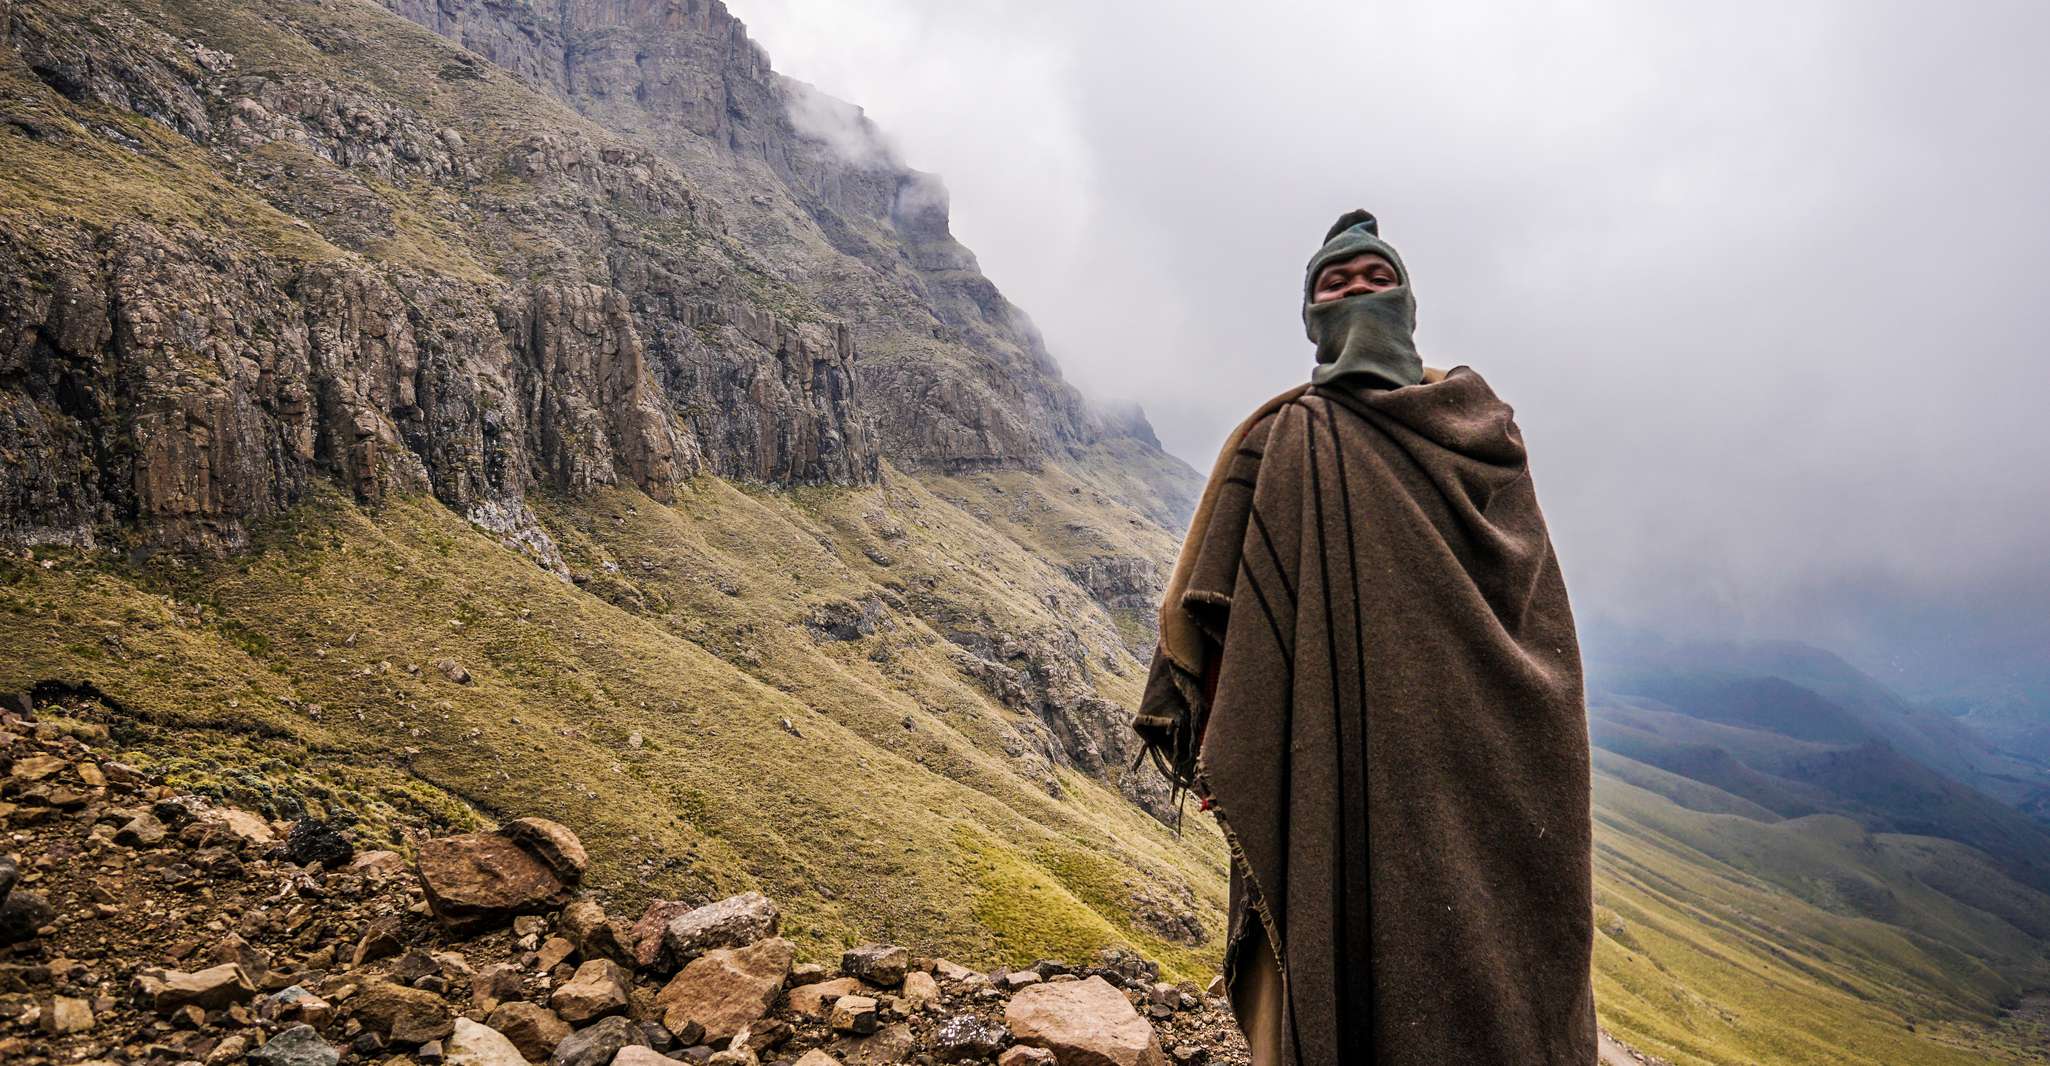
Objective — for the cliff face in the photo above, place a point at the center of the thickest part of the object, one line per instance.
(256, 245)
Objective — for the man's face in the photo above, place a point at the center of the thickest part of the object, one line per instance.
(1363, 273)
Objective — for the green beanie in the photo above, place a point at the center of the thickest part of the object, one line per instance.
(1368, 339)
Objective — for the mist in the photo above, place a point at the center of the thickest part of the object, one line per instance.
(1761, 280)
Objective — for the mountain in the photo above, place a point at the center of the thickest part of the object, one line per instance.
(419, 415)
(536, 419)
(1793, 864)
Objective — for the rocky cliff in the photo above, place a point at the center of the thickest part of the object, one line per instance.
(548, 407)
(258, 244)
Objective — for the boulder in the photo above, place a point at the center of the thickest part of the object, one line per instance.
(1021, 1055)
(814, 998)
(494, 984)
(967, 1038)
(380, 940)
(313, 842)
(1084, 1023)
(23, 915)
(66, 1015)
(920, 991)
(471, 1044)
(552, 843)
(210, 989)
(853, 1014)
(554, 951)
(298, 1046)
(726, 989)
(598, 1043)
(596, 936)
(878, 964)
(401, 1014)
(731, 922)
(141, 831)
(532, 1028)
(647, 935)
(887, 1046)
(294, 1004)
(599, 988)
(379, 863)
(476, 878)
(632, 1055)
(246, 829)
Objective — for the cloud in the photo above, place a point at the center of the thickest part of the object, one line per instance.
(1761, 279)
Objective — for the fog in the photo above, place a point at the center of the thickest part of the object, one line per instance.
(1762, 281)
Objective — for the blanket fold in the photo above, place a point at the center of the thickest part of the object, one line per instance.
(1396, 745)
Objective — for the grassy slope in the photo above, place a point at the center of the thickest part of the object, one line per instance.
(1723, 938)
(295, 660)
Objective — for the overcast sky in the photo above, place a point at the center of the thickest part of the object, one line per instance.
(1763, 281)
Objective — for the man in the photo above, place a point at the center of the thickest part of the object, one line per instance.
(1367, 669)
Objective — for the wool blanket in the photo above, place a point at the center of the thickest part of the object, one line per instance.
(1392, 734)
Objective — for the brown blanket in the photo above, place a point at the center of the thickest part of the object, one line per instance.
(1396, 745)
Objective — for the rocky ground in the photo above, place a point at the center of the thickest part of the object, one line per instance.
(139, 924)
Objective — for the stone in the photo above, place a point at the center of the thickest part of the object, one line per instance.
(142, 831)
(1021, 1055)
(634, 1055)
(230, 1050)
(816, 1057)
(1017, 979)
(731, 922)
(585, 924)
(67, 1014)
(210, 989)
(232, 948)
(599, 1043)
(380, 940)
(647, 935)
(452, 670)
(952, 971)
(552, 843)
(23, 915)
(885, 1047)
(494, 984)
(295, 1004)
(35, 767)
(400, 1014)
(553, 952)
(726, 989)
(813, 998)
(313, 842)
(599, 988)
(298, 1046)
(379, 863)
(965, 1037)
(532, 1028)
(478, 878)
(853, 1014)
(920, 991)
(878, 964)
(246, 829)
(1084, 1023)
(471, 1044)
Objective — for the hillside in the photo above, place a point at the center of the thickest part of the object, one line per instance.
(764, 533)
(1777, 882)
(432, 414)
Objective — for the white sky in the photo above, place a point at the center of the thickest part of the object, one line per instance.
(1763, 280)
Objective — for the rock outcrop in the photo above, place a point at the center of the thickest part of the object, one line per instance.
(274, 990)
(599, 242)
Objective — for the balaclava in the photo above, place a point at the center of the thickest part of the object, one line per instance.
(1367, 338)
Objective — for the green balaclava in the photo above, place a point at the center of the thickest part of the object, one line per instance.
(1367, 339)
